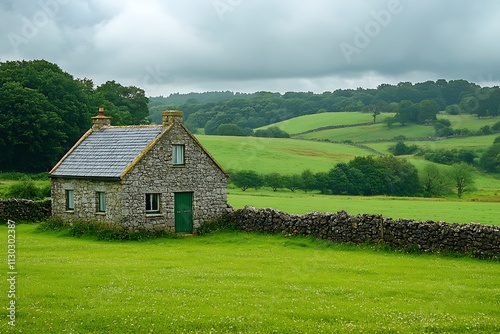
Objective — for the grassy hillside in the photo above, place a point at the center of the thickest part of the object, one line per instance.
(248, 283)
(370, 132)
(285, 156)
(476, 143)
(310, 122)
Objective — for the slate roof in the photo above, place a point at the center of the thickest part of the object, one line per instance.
(106, 153)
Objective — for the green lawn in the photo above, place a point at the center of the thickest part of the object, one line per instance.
(285, 156)
(449, 210)
(249, 283)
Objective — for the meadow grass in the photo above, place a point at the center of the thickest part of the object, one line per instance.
(471, 122)
(250, 283)
(476, 143)
(281, 155)
(311, 122)
(371, 132)
(450, 210)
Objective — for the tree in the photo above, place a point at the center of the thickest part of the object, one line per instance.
(434, 181)
(274, 180)
(32, 134)
(292, 182)
(490, 160)
(402, 149)
(127, 105)
(462, 177)
(308, 180)
(246, 179)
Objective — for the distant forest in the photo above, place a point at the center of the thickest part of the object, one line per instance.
(411, 103)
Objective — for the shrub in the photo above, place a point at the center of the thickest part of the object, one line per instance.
(272, 132)
(402, 149)
(26, 189)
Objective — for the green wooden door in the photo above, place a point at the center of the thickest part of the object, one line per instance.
(183, 212)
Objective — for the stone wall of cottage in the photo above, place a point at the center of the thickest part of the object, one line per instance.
(85, 195)
(155, 173)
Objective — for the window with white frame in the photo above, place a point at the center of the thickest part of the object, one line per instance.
(152, 203)
(70, 200)
(177, 154)
(101, 201)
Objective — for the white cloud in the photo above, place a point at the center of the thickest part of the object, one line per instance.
(170, 46)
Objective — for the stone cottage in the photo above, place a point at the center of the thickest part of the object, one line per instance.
(147, 176)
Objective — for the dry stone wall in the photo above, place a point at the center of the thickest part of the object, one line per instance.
(24, 210)
(428, 236)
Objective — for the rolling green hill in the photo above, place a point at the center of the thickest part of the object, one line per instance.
(285, 156)
(311, 122)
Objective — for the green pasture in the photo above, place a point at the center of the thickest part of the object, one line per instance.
(371, 132)
(476, 143)
(471, 122)
(243, 283)
(450, 210)
(311, 122)
(281, 155)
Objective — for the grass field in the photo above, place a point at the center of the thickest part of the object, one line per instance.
(476, 143)
(371, 132)
(285, 156)
(311, 122)
(236, 282)
(449, 210)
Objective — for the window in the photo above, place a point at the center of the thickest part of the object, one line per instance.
(178, 154)
(70, 200)
(101, 201)
(152, 203)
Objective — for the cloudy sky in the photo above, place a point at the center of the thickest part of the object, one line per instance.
(167, 46)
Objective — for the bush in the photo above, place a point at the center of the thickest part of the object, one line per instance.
(26, 189)
(402, 149)
(272, 132)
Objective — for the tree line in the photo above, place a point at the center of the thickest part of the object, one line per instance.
(489, 160)
(44, 111)
(411, 103)
(367, 176)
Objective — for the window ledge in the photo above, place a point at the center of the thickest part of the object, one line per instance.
(100, 213)
(154, 214)
(69, 211)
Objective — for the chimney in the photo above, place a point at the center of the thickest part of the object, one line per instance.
(101, 120)
(170, 117)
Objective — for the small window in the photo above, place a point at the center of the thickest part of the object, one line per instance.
(152, 203)
(101, 201)
(178, 154)
(70, 200)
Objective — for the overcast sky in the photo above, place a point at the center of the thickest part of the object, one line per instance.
(167, 46)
